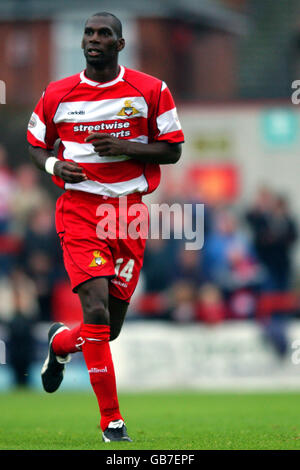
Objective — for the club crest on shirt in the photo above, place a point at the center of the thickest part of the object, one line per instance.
(98, 260)
(128, 110)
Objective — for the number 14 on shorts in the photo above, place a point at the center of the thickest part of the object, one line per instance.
(124, 270)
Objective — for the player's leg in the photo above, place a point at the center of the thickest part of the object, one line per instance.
(67, 340)
(117, 312)
(70, 340)
(62, 342)
(95, 332)
(52, 372)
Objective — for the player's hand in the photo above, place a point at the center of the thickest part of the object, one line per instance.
(70, 172)
(106, 144)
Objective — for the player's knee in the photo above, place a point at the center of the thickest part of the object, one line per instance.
(96, 314)
(94, 301)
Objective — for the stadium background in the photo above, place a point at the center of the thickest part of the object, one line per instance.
(224, 317)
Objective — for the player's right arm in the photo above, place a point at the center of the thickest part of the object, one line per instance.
(42, 135)
(70, 172)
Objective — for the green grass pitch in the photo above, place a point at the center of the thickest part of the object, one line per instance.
(160, 421)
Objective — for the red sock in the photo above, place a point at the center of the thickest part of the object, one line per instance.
(67, 341)
(97, 355)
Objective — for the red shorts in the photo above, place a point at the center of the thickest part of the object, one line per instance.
(82, 219)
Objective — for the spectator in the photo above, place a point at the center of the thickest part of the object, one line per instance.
(41, 257)
(275, 233)
(210, 306)
(183, 302)
(23, 312)
(188, 267)
(27, 197)
(158, 265)
(7, 189)
(230, 260)
(9, 244)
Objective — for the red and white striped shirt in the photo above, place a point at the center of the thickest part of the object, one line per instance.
(133, 106)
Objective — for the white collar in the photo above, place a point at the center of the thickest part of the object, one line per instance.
(84, 79)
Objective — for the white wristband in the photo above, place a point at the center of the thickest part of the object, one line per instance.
(49, 165)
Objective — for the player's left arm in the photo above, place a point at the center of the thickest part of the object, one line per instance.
(160, 152)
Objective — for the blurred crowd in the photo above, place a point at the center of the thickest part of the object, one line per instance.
(247, 258)
(245, 269)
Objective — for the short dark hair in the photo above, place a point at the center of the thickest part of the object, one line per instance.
(117, 25)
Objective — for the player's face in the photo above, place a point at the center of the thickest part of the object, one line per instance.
(100, 42)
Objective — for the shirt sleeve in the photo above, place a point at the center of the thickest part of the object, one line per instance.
(41, 131)
(167, 126)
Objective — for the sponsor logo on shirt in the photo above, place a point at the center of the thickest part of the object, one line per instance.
(81, 112)
(119, 127)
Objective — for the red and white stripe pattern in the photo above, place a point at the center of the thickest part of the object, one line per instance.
(134, 106)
